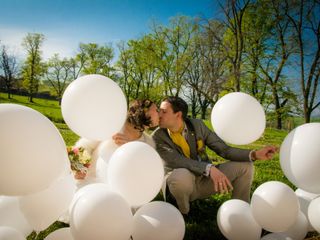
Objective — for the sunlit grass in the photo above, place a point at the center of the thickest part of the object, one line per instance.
(49, 108)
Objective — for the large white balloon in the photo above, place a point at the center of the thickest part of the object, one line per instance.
(43, 208)
(136, 172)
(87, 189)
(94, 107)
(101, 171)
(9, 233)
(60, 234)
(299, 229)
(32, 151)
(314, 213)
(275, 236)
(101, 215)
(238, 118)
(158, 220)
(10, 215)
(236, 222)
(300, 157)
(304, 200)
(105, 151)
(274, 206)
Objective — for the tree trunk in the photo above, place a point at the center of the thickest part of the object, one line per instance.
(307, 115)
(279, 121)
(203, 112)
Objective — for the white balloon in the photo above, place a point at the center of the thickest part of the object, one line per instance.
(306, 195)
(275, 236)
(32, 151)
(300, 157)
(158, 220)
(60, 234)
(9, 233)
(11, 216)
(314, 213)
(299, 229)
(105, 151)
(304, 200)
(94, 107)
(236, 222)
(238, 118)
(102, 170)
(101, 215)
(87, 188)
(136, 172)
(43, 208)
(274, 206)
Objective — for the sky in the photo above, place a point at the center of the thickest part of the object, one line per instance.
(66, 23)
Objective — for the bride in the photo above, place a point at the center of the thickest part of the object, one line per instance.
(142, 115)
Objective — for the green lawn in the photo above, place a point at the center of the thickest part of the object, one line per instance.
(201, 222)
(49, 108)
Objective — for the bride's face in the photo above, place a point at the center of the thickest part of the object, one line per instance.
(154, 115)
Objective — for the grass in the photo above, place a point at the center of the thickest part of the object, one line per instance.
(49, 108)
(201, 222)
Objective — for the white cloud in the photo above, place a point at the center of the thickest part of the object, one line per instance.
(64, 47)
(54, 43)
(13, 38)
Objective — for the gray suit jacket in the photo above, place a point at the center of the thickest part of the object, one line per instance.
(174, 158)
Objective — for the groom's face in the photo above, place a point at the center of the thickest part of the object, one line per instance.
(167, 118)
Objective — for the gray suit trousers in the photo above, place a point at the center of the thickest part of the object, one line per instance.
(185, 186)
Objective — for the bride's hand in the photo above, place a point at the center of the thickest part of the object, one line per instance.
(120, 139)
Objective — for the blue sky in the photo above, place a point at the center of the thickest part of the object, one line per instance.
(67, 23)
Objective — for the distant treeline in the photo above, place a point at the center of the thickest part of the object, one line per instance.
(24, 92)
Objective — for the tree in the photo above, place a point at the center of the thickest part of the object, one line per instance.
(96, 59)
(305, 20)
(10, 69)
(173, 57)
(275, 58)
(139, 73)
(233, 41)
(124, 69)
(33, 67)
(258, 25)
(77, 64)
(59, 74)
(205, 74)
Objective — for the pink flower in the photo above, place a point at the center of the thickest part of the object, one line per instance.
(75, 150)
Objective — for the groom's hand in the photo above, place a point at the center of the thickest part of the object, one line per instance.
(220, 181)
(265, 153)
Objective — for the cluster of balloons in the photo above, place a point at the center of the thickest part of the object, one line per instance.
(239, 119)
(274, 207)
(37, 186)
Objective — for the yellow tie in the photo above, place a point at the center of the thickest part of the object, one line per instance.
(179, 140)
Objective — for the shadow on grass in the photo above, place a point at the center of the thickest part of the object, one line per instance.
(201, 222)
(43, 234)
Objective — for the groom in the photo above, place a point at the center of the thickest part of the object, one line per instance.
(181, 143)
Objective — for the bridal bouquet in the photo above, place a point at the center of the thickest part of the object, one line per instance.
(79, 160)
